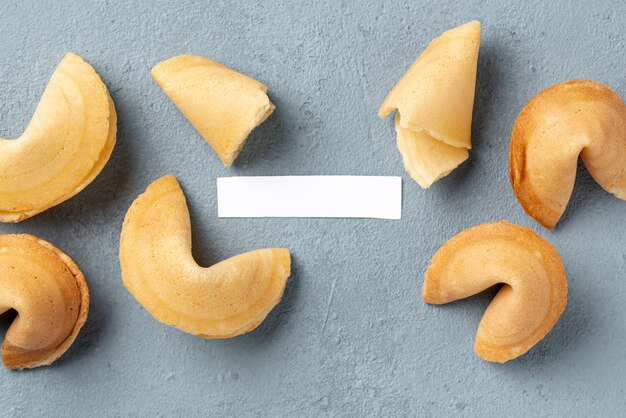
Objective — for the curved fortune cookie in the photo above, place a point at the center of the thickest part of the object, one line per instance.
(67, 143)
(51, 298)
(158, 269)
(222, 104)
(435, 101)
(529, 304)
(569, 119)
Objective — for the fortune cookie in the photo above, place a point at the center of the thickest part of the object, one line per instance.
(577, 117)
(529, 303)
(51, 298)
(67, 143)
(228, 299)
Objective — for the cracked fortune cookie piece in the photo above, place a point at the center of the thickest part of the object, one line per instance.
(222, 104)
(435, 101)
(50, 295)
(572, 118)
(67, 143)
(533, 295)
(222, 301)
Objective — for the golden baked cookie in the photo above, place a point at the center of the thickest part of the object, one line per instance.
(51, 298)
(435, 101)
(529, 303)
(228, 299)
(577, 117)
(67, 143)
(222, 104)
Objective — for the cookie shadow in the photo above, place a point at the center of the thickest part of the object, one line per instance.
(265, 141)
(489, 86)
(575, 322)
(6, 319)
(89, 336)
(86, 340)
(565, 337)
(203, 252)
(279, 316)
(473, 306)
(586, 195)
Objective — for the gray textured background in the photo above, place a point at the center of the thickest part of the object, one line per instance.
(351, 336)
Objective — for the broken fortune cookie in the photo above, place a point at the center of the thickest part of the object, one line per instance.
(435, 100)
(222, 104)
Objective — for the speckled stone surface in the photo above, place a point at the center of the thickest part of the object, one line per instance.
(351, 336)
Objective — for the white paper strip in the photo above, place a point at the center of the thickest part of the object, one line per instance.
(310, 197)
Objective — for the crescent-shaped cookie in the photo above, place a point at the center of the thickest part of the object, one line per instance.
(50, 295)
(67, 143)
(222, 104)
(529, 304)
(435, 101)
(577, 117)
(222, 301)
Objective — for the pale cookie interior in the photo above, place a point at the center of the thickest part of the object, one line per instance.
(50, 295)
(227, 299)
(222, 104)
(435, 100)
(426, 159)
(67, 143)
(529, 304)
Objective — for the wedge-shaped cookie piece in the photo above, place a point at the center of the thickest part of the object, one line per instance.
(67, 143)
(435, 100)
(222, 104)
(51, 298)
(426, 159)
(158, 269)
(528, 305)
(577, 117)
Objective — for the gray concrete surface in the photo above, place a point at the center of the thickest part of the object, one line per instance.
(351, 336)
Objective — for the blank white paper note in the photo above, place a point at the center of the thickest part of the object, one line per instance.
(310, 197)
